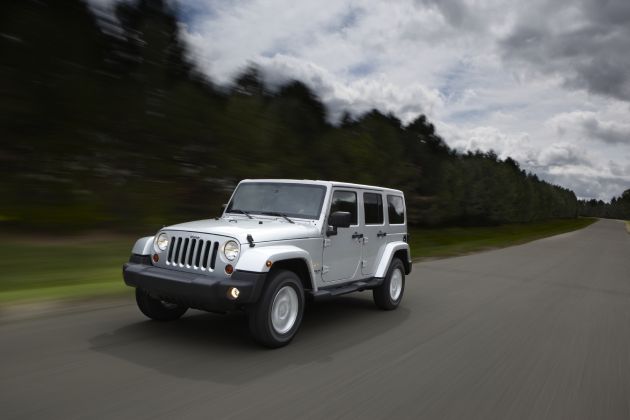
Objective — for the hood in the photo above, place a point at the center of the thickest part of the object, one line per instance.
(239, 228)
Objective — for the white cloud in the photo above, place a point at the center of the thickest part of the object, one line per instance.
(589, 125)
(357, 96)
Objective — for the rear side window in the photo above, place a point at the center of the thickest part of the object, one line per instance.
(395, 209)
(345, 201)
(373, 208)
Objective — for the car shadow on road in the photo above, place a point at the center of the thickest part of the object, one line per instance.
(218, 348)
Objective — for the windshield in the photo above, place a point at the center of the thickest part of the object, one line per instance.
(292, 200)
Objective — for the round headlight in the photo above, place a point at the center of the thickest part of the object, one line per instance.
(231, 250)
(162, 241)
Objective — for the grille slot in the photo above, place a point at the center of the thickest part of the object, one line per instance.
(214, 255)
(205, 254)
(192, 253)
(182, 260)
(200, 246)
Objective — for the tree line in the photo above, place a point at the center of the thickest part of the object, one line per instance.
(107, 123)
(618, 208)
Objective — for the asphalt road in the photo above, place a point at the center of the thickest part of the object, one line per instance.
(538, 331)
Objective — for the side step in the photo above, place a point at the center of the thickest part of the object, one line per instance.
(357, 286)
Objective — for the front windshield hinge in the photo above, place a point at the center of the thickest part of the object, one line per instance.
(251, 241)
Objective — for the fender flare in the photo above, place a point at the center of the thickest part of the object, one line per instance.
(143, 246)
(388, 253)
(255, 259)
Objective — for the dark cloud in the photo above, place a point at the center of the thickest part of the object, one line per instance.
(457, 13)
(587, 44)
(607, 133)
(591, 126)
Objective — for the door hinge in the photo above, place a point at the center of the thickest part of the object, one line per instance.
(327, 242)
(325, 269)
(363, 263)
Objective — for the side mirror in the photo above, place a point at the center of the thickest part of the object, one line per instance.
(338, 219)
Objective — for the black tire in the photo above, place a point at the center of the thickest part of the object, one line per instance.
(260, 314)
(382, 294)
(157, 309)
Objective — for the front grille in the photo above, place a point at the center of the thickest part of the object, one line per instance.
(192, 253)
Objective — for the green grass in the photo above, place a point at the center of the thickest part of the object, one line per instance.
(445, 242)
(39, 269)
(42, 269)
(628, 225)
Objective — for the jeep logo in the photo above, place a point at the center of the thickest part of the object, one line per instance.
(195, 237)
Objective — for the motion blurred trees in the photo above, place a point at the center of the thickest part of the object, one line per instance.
(105, 122)
(618, 208)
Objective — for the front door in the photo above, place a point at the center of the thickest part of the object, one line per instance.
(342, 252)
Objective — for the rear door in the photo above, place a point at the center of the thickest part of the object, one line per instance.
(374, 232)
(342, 252)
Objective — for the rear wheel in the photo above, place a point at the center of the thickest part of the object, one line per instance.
(157, 309)
(388, 295)
(277, 316)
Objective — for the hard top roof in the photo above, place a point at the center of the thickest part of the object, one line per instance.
(326, 183)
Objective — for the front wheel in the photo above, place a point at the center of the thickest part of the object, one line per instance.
(388, 295)
(156, 309)
(277, 316)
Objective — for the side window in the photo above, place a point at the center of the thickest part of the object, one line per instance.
(395, 209)
(345, 201)
(373, 208)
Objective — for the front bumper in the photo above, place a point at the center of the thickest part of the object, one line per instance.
(191, 289)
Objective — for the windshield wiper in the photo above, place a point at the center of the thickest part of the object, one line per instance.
(240, 211)
(275, 213)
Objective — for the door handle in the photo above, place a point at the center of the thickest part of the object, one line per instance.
(356, 235)
(381, 234)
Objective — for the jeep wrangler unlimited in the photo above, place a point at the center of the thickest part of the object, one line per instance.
(277, 243)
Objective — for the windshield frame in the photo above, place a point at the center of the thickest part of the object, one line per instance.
(323, 188)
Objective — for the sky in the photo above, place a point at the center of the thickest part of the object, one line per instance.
(544, 82)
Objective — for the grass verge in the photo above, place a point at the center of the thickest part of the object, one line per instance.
(628, 225)
(37, 269)
(447, 242)
(34, 269)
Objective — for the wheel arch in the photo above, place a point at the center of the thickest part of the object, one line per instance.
(297, 265)
(143, 246)
(394, 250)
(289, 257)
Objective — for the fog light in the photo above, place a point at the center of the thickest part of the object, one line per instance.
(229, 269)
(156, 258)
(233, 293)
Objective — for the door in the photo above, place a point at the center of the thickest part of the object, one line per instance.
(374, 236)
(342, 252)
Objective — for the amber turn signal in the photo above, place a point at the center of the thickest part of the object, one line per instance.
(229, 269)
(156, 258)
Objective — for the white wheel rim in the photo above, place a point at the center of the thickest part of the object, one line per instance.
(395, 284)
(284, 309)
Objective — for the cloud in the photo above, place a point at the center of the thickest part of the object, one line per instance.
(581, 42)
(357, 96)
(563, 155)
(589, 125)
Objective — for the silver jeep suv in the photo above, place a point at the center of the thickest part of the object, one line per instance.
(277, 243)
